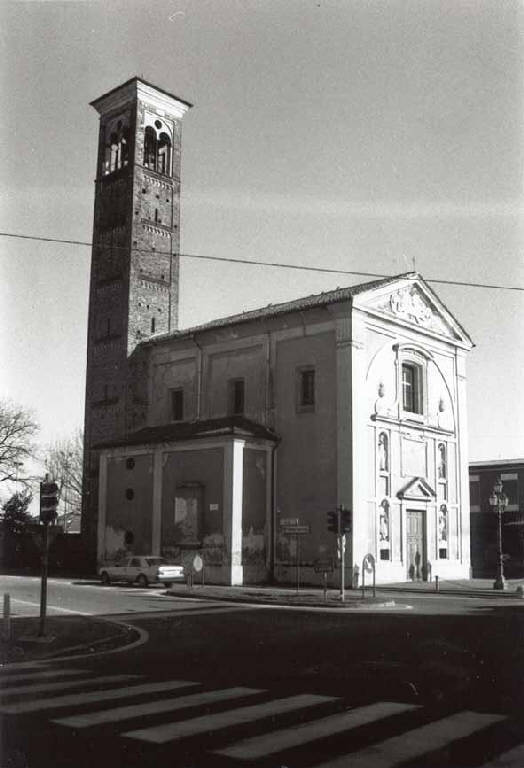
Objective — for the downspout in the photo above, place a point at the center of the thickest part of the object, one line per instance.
(273, 532)
(199, 378)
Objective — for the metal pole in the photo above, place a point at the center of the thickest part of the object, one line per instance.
(325, 585)
(499, 581)
(298, 563)
(343, 567)
(43, 587)
(7, 617)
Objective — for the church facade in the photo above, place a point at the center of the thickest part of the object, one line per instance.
(217, 440)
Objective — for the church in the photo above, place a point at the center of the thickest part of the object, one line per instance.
(220, 439)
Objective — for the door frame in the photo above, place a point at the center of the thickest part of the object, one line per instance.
(422, 510)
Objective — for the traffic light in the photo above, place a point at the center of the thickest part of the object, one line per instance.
(345, 520)
(333, 521)
(48, 501)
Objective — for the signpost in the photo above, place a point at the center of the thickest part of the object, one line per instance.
(290, 526)
(324, 567)
(340, 522)
(48, 505)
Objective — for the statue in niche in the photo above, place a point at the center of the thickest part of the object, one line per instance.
(442, 461)
(383, 463)
(384, 521)
(443, 523)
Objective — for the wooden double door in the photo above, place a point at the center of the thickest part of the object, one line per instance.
(416, 544)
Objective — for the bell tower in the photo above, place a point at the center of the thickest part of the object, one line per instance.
(135, 260)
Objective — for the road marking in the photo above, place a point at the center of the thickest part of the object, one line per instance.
(207, 723)
(17, 690)
(10, 678)
(89, 698)
(50, 607)
(276, 741)
(155, 707)
(415, 743)
(514, 758)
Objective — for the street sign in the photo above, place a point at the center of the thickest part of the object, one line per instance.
(286, 522)
(296, 530)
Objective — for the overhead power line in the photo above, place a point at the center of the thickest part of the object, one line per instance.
(260, 263)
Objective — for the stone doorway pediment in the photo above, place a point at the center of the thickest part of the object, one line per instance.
(418, 489)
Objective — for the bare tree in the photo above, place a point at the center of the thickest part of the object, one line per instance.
(17, 431)
(64, 463)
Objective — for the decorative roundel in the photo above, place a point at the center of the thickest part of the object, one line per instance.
(130, 494)
(130, 463)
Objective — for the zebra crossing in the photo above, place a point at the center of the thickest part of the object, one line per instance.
(241, 725)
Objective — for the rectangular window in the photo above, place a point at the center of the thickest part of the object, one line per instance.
(236, 397)
(411, 388)
(177, 404)
(474, 493)
(306, 394)
(510, 485)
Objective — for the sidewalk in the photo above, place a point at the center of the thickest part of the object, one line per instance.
(309, 596)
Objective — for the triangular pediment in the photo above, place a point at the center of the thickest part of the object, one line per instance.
(411, 301)
(417, 490)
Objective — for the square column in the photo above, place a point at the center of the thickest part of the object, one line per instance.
(233, 501)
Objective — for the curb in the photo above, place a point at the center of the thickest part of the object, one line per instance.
(374, 602)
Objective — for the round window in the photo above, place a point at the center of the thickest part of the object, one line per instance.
(130, 494)
(130, 463)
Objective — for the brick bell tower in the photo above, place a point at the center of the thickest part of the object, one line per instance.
(134, 265)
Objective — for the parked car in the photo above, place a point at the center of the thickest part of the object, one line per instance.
(142, 570)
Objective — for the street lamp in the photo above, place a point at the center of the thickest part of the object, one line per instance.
(498, 502)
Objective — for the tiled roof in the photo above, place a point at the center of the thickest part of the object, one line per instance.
(274, 310)
(191, 430)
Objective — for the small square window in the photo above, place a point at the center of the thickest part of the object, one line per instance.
(384, 554)
(177, 404)
(306, 390)
(443, 554)
(236, 397)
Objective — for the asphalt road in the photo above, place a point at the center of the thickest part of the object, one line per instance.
(216, 684)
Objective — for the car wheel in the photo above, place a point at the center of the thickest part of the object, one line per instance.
(104, 577)
(168, 584)
(142, 580)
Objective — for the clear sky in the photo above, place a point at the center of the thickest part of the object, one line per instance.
(352, 134)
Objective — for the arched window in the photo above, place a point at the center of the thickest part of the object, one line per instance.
(150, 148)
(164, 154)
(117, 147)
(157, 146)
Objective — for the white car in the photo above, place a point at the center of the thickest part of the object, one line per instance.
(142, 570)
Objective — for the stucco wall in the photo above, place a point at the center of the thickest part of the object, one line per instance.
(306, 458)
(129, 515)
(206, 469)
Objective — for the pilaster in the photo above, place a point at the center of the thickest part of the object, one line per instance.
(233, 500)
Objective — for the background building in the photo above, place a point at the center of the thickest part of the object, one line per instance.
(209, 439)
(482, 477)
